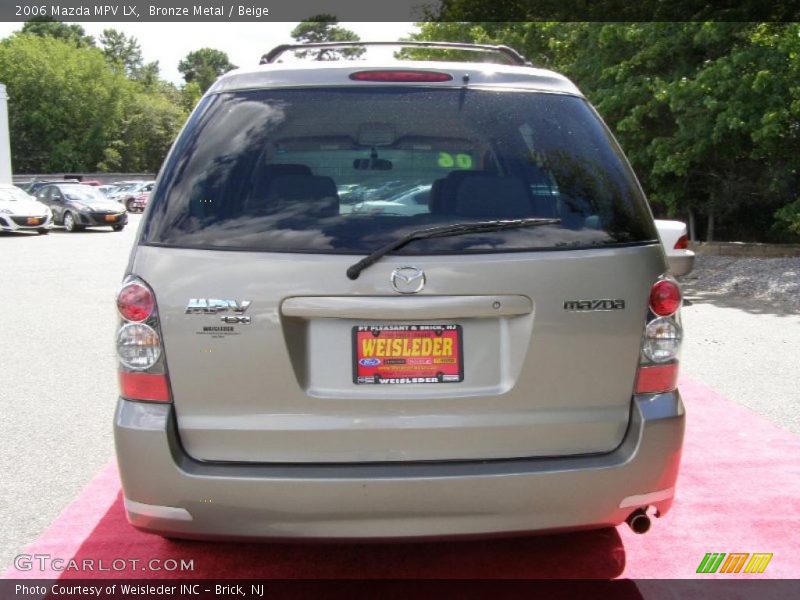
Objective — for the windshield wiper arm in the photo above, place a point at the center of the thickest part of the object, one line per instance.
(443, 231)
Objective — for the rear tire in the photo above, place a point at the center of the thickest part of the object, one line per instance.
(129, 205)
(43, 231)
(69, 222)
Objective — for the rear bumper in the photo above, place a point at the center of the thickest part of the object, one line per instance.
(169, 493)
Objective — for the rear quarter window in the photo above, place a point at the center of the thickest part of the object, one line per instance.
(345, 170)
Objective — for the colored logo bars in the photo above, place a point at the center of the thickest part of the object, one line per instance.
(736, 562)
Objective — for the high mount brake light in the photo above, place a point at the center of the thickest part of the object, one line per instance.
(401, 76)
(135, 302)
(665, 298)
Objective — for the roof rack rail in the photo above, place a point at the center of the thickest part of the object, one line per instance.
(511, 55)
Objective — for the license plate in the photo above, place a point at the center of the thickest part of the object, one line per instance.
(33, 221)
(402, 354)
(111, 218)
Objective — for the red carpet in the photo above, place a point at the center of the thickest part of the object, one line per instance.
(739, 491)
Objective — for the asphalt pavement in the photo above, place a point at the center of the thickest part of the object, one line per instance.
(58, 387)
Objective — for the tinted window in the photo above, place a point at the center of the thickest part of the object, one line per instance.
(347, 170)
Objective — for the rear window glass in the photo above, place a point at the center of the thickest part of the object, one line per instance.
(346, 170)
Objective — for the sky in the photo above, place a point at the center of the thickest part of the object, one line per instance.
(244, 43)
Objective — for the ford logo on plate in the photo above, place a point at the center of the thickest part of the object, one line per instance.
(369, 362)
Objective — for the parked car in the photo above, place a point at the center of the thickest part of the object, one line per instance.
(77, 206)
(23, 185)
(107, 189)
(503, 361)
(35, 186)
(127, 194)
(409, 202)
(675, 240)
(138, 202)
(21, 212)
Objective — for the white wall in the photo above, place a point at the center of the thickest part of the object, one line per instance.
(5, 145)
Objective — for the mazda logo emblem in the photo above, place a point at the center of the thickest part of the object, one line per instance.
(408, 280)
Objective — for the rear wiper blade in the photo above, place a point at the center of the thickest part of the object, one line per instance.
(444, 231)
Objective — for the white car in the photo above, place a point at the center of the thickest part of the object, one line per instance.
(407, 203)
(21, 212)
(675, 240)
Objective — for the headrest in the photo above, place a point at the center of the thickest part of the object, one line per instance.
(493, 198)
(317, 193)
(443, 191)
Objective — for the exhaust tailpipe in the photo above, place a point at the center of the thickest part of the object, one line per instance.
(638, 521)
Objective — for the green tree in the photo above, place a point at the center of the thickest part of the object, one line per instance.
(324, 28)
(190, 95)
(146, 132)
(44, 26)
(708, 113)
(123, 52)
(204, 66)
(64, 103)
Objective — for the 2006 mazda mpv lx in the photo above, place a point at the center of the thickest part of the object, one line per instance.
(489, 344)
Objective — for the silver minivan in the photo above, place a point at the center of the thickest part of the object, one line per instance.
(501, 357)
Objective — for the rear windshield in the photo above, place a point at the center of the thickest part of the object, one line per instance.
(346, 170)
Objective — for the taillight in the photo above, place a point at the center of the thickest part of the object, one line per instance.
(661, 343)
(665, 298)
(144, 386)
(135, 302)
(656, 379)
(662, 340)
(142, 371)
(682, 243)
(403, 76)
(138, 346)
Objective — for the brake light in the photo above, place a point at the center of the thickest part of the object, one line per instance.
(404, 76)
(144, 386)
(135, 302)
(665, 298)
(682, 243)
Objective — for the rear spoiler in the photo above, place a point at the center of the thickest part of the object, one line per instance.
(509, 55)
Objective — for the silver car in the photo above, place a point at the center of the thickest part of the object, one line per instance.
(503, 360)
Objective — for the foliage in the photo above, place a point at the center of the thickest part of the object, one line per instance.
(146, 132)
(204, 66)
(122, 52)
(787, 218)
(324, 28)
(71, 111)
(46, 27)
(708, 113)
(64, 102)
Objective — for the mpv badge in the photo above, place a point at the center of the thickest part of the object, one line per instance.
(408, 280)
(215, 305)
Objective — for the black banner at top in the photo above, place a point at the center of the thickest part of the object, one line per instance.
(400, 10)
